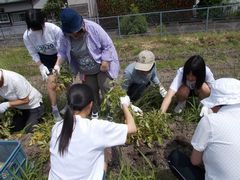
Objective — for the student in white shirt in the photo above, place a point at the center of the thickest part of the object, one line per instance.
(20, 94)
(77, 143)
(194, 78)
(216, 139)
(42, 41)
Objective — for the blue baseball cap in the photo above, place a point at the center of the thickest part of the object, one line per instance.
(71, 20)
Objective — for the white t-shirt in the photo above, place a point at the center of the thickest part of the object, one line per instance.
(45, 42)
(17, 87)
(85, 156)
(217, 136)
(177, 82)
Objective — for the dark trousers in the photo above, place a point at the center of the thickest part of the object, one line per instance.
(136, 90)
(26, 119)
(182, 167)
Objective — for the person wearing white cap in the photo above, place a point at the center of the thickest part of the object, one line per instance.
(216, 139)
(138, 76)
(192, 79)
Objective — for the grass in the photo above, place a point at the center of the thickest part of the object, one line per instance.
(220, 50)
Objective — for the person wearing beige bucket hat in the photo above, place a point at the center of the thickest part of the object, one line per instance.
(216, 139)
(140, 74)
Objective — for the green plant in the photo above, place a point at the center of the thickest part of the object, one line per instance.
(135, 24)
(150, 99)
(53, 8)
(5, 123)
(41, 136)
(128, 171)
(63, 80)
(152, 126)
(111, 103)
(192, 111)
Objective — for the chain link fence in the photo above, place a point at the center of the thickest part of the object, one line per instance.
(215, 18)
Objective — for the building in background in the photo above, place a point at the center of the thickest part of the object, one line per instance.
(12, 12)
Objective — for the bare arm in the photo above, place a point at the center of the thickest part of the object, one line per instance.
(19, 102)
(196, 157)
(167, 100)
(129, 120)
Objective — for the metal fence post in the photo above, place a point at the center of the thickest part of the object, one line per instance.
(119, 30)
(161, 24)
(206, 27)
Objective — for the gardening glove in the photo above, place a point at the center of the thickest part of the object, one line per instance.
(137, 110)
(205, 111)
(44, 72)
(57, 69)
(4, 106)
(162, 91)
(125, 101)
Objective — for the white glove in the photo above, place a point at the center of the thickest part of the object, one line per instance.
(137, 110)
(4, 106)
(205, 111)
(44, 72)
(125, 101)
(162, 91)
(57, 69)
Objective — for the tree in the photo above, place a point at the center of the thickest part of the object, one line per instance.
(52, 9)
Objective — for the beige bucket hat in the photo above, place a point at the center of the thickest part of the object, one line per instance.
(146, 60)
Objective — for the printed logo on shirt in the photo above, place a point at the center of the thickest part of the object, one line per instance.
(45, 47)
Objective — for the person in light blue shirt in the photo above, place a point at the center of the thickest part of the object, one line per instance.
(139, 75)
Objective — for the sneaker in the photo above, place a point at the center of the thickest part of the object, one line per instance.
(94, 115)
(56, 115)
(180, 107)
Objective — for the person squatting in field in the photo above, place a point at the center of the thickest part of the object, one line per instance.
(20, 94)
(77, 143)
(140, 74)
(194, 78)
(89, 51)
(42, 41)
(216, 139)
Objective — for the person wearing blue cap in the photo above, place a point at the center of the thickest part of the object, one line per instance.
(89, 51)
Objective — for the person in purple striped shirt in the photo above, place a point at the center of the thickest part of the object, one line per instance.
(90, 52)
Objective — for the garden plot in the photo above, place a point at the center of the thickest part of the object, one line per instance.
(144, 156)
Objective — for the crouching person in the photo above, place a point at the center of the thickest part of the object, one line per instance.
(216, 139)
(20, 94)
(77, 143)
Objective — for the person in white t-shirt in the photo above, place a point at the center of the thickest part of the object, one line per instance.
(77, 143)
(42, 40)
(216, 139)
(20, 94)
(194, 78)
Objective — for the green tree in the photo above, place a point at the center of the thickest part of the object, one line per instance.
(52, 9)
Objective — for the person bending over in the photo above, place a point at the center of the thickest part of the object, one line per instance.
(77, 143)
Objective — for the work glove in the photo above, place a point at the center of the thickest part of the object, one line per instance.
(125, 101)
(137, 110)
(4, 106)
(44, 72)
(162, 91)
(205, 111)
(57, 69)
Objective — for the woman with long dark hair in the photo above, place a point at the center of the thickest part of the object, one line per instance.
(194, 78)
(77, 143)
(42, 40)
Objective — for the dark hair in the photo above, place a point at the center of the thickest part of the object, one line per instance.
(78, 97)
(34, 19)
(195, 65)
